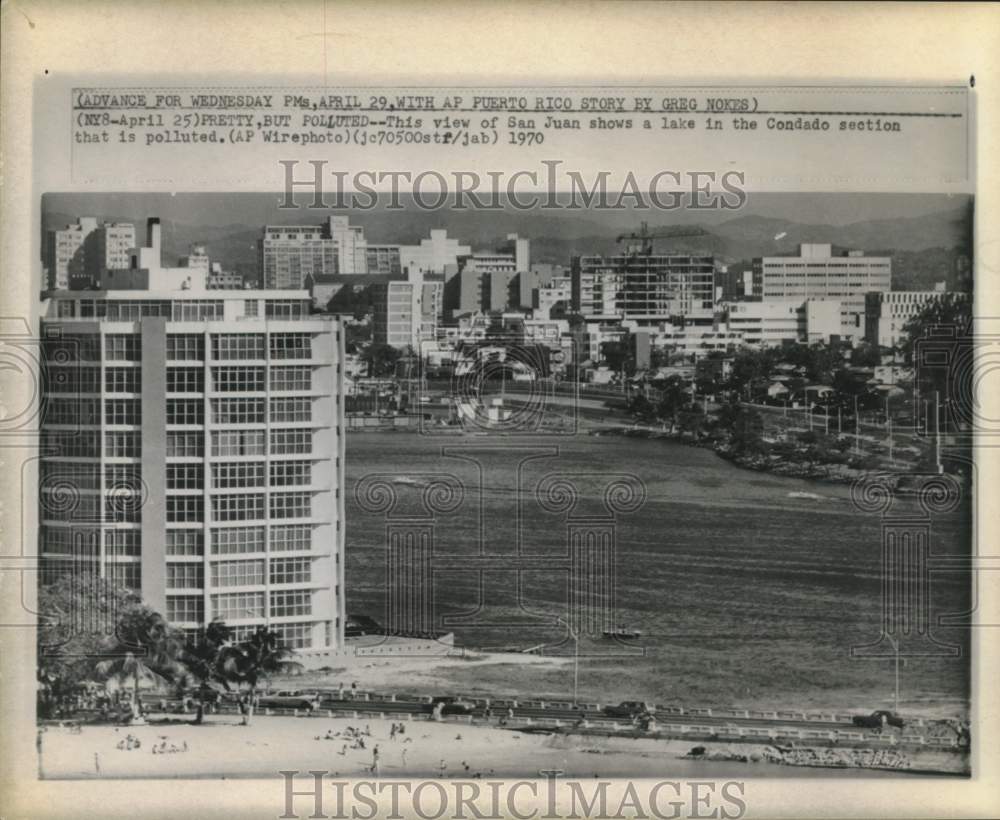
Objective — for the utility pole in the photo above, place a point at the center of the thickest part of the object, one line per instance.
(895, 699)
(937, 431)
(576, 657)
(857, 428)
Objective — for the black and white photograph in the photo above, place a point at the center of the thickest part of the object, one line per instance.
(547, 427)
(489, 493)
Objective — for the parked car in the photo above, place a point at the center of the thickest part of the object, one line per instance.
(453, 705)
(878, 719)
(628, 709)
(289, 699)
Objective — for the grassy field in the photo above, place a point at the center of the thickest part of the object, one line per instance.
(749, 589)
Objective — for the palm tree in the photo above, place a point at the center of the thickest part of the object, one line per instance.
(202, 657)
(247, 663)
(146, 649)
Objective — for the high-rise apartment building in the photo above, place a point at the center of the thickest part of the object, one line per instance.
(887, 314)
(646, 288)
(193, 452)
(75, 257)
(405, 312)
(291, 256)
(817, 274)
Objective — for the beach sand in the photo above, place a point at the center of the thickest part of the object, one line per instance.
(223, 748)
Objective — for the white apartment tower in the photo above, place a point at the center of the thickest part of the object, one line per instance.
(193, 452)
(817, 274)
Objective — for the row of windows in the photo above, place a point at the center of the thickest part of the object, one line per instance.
(237, 379)
(295, 636)
(291, 409)
(185, 411)
(251, 506)
(237, 507)
(185, 477)
(238, 573)
(253, 442)
(122, 411)
(75, 411)
(73, 378)
(291, 570)
(122, 379)
(235, 605)
(228, 541)
(122, 347)
(185, 608)
(122, 543)
(238, 411)
(127, 575)
(185, 380)
(237, 541)
(186, 347)
(185, 542)
(238, 474)
(286, 602)
(224, 411)
(185, 576)
(291, 473)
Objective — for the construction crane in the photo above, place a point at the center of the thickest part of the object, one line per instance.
(646, 237)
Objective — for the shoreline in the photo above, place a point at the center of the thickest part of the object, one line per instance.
(449, 749)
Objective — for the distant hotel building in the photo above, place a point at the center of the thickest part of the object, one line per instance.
(887, 314)
(816, 274)
(292, 256)
(77, 255)
(783, 321)
(222, 411)
(489, 280)
(406, 311)
(646, 288)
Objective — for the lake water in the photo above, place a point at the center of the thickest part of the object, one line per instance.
(747, 588)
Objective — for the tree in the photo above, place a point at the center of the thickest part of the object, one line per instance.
(949, 321)
(750, 369)
(146, 649)
(674, 399)
(381, 359)
(247, 663)
(618, 356)
(202, 657)
(358, 302)
(76, 616)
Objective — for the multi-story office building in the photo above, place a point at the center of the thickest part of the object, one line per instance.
(383, 259)
(646, 288)
(557, 292)
(290, 256)
(193, 452)
(438, 254)
(114, 244)
(76, 256)
(65, 255)
(405, 312)
(488, 280)
(817, 274)
(887, 314)
(783, 321)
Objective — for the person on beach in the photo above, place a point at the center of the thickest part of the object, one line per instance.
(374, 768)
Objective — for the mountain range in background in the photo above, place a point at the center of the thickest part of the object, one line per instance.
(926, 248)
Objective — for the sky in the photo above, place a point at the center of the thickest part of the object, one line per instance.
(221, 209)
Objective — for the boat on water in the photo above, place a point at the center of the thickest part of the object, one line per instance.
(623, 632)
